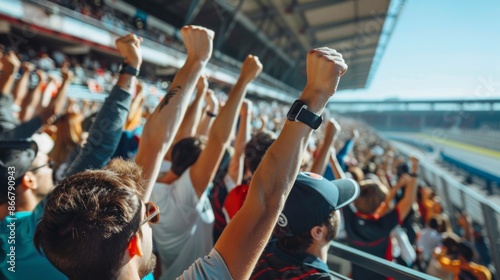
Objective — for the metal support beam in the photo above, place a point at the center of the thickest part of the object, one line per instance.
(193, 10)
(250, 26)
(262, 14)
(331, 25)
(227, 27)
(347, 38)
(314, 5)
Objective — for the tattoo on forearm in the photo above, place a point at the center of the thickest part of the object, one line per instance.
(171, 93)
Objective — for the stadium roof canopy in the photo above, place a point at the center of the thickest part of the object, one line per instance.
(280, 32)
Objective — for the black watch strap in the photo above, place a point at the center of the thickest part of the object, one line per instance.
(127, 69)
(309, 118)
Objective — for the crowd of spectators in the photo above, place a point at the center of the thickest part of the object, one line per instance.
(206, 186)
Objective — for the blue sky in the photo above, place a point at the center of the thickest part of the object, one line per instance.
(440, 49)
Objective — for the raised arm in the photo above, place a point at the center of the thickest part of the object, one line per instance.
(11, 65)
(105, 132)
(244, 239)
(338, 172)
(236, 164)
(46, 116)
(332, 130)
(30, 104)
(203, 170)
(191, 119)
(209, 114)
(162, 125)
(21, 87)
(386, 205)
(135, 113)
(405, 204)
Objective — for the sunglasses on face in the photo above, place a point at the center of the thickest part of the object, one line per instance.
(50, 164)
(152, 214)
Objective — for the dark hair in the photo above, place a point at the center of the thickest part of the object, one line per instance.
(402, 169)
(256, 148)
(450, 241)
(299, 243)
(465, 250)
(372, 194)
(186, 152)
(89, 220)
(436, 222)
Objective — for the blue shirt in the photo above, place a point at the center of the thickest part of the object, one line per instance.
(29, 263)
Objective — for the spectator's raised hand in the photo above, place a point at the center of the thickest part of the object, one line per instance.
(198, 41)
(325, 66)
(202, 85)
(251, 68)
(212, 101)
(10, 63)
(129, 47)
(67, 75)
(414, 164)
(42, 76)
(138, 88)
(27, 67)
(246, 107)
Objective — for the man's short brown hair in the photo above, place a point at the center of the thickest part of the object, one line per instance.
(89, 220)
(256, 148)
(372, 194)
(186, 152)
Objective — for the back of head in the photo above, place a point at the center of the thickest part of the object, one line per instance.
(357, 173)
(185, 153)
(256, 149)
(402, 169)
(372, 194)
(298, 243)
(313, 201)
(89, 220)
(465, 251)
(436, 222)
(450, 242)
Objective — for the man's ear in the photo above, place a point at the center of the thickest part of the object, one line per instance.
(317, 233)
(134, 247)
(29, 181)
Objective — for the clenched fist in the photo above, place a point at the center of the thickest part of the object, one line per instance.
(202, 85)
(129, 47)
(10, 63)
(67, 75)
(251, 68)
(325, 66)
(332, 128)
(198, 42)
(27, 67)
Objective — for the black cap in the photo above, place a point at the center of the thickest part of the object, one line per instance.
(312, 199)
(16, 158)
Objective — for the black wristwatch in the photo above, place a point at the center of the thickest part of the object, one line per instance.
(127, 69)
(299, 113)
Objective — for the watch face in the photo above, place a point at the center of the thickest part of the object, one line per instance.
(295, 109)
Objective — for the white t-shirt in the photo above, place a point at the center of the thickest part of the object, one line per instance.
(211, 267)
(184, 232)
(429, 239)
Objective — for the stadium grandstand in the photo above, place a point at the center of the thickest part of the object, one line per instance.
(201, 139)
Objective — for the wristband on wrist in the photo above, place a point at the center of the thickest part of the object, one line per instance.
(212, 115)
(127, 69)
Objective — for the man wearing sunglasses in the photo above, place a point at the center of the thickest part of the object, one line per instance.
(26, 174)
